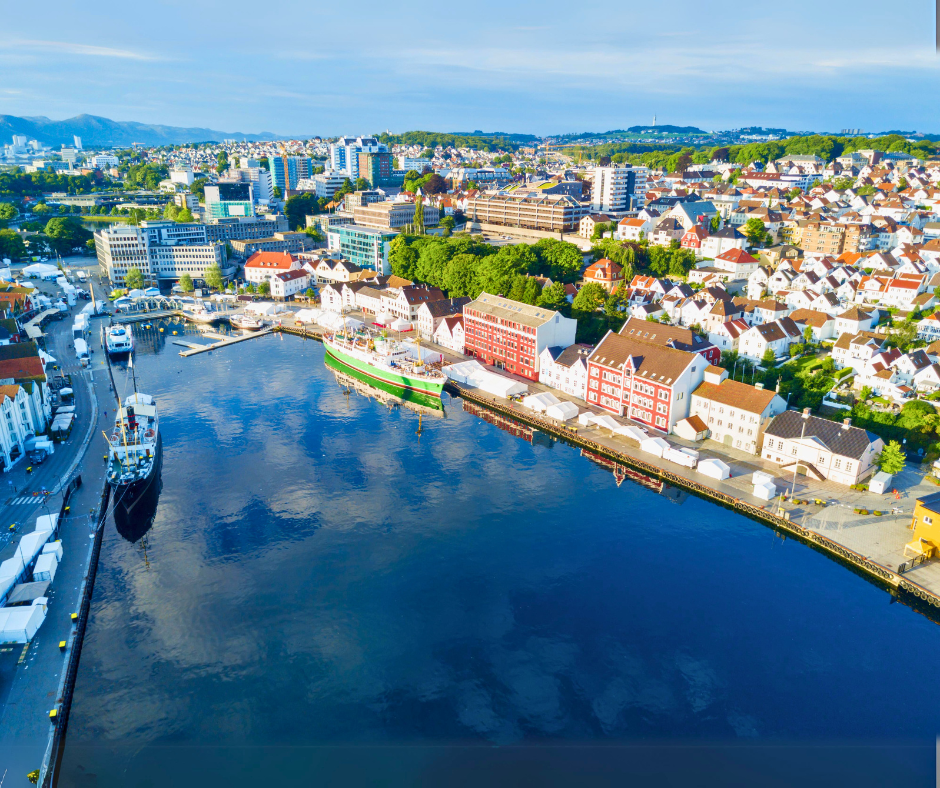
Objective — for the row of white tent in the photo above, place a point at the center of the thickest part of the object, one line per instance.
(20, 624)
(475, 375)
(330, 320)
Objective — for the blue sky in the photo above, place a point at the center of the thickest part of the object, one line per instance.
(537, 67)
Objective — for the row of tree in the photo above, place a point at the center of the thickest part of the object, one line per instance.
(30, 184)
(466, 266)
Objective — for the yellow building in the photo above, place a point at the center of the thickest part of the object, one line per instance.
(926, 525)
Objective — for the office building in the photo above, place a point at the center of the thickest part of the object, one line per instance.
(376, 168)
(344, 154)
(290, 243)
(406, 163)
(161, 250)
(394, 215)
(249, 227)
(326, 184)
(361, 198)
(69, 154)
(366, 247)
(261, 180)
(530, 210)
(229, 199)
(619, 189)
(104, 160)
(512, 335)
(286, 171)
(77, 141)
(183, 176)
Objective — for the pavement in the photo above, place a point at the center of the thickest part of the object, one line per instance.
(30, 683)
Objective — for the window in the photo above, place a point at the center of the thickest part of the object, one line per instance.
(793, 451)
(928, 520)
(837, 464)
(848, 466)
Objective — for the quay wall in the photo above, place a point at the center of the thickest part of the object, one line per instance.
(912, 593)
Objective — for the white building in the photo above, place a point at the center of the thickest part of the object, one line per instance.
(736, 414)
(286, 284)
(618, 189)
(450, 334)
(183, 176)
(565, 369)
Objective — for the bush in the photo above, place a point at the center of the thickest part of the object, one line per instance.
(876, 513)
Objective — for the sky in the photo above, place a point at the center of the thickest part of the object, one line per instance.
(544, 67)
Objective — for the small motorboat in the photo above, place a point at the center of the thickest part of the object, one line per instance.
(246, 322)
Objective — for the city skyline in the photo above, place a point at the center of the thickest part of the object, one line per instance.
(527, 69)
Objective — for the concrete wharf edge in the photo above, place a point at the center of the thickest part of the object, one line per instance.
(913, 594)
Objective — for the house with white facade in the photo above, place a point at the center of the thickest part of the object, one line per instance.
(565, 369)
(287, 284)
(776, 336)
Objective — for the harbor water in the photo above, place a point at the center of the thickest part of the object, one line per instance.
(327, 590)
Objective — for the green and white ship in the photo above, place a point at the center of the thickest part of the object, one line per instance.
(383, 360)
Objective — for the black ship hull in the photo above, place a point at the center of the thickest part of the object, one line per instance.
(128, 497)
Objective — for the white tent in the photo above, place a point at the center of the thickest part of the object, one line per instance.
(630, 431)
(431, 356)
(472, 373)
(679, 457)
(765, 491)
(760, 477)
(47, 522)
(540, 401)
(20, 624)
(714, 468)
(401, 325)
(138, 293)
(654, 446)
(31, 544)
(152, 291)
(307, 315)
(563, 411)
(463, 371)
(10, 571)
(607, 423)
(40, 269)
(586, 418)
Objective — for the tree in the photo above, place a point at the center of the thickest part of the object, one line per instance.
(418, 220)
(213, 277)
(314, 233)
(265, 288)
(198, 187)
(754, 231)
(590, 298)
(346, 188)
(11, 245)
(448, 223)
(42, 208)
(362, 185)
(264, 163)
(768, 360)
(310, 293)
(171, 211)
(532, 291)
(185, 215)
(277, 193)
(134, 279)
(891, 459)
(186, 282)
(65, 233)
(298, 207)
(553, 297)
(715, 223)
(7, 212)
(808, 335)
(222, 164)
(865, 394)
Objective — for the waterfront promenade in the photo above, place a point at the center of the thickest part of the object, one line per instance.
(31, 676)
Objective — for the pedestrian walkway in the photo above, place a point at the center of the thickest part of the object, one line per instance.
(24, 500)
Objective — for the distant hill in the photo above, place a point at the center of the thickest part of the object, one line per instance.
(102, 132)
(668, 129)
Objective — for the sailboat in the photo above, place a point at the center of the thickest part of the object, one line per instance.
(135, 448)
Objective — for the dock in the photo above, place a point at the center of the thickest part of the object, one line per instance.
(190, 345)
(140, 317)
(194, 349)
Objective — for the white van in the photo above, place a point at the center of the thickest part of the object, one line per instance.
(81, 276)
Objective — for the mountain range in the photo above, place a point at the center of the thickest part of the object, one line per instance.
(98, 132)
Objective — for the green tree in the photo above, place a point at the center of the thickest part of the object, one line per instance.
(532, 291)
(310, 293)
(185, 215)
(171, 211)
(277, 193)
(768, 361)
(362, 185)
(460, 276)
(314, 233)
(298, 207)
(754, 231)
(222, 162)
(553, 297)
(11, 245)
(264, 163)
(42, 208)
(891, 459)
(65, 233)
(213, 277)
(418, 221)
(186, 282)
(517, 290)
(198, 187)
(448, 223)
(134, 279)
(558, 260)
(590, 298)
(8, 211)
(265, 288)
(808, 335)
(715, 223)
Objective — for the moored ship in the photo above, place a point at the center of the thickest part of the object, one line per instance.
(134, 450)
(119, 341)
(246, 322)
(390, 362)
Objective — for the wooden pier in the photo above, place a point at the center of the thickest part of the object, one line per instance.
(140, 317)
(195, 349)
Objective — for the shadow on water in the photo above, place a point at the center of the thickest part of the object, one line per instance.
(134, 518)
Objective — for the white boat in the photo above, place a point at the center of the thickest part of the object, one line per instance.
(201, 315)
(119, 340)
(246, 322)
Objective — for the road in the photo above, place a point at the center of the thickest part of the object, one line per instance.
(30, 676)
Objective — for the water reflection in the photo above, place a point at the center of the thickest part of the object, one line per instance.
(133, 517)
(353, 380)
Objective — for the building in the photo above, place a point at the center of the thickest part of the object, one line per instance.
(671, 336)
(406, 302)
(926, 526)
(821, 448)
(565, 369)
(366, 247)
(406, 163)
(606, 273)
(286, 171)
(450, 334)
(776, 336)
(262, 266)
(292, 243)
(394, 215)
(247, 228)
(227, 199)
(432, 313)
(377, 169)
(344, 154)
(261, 180)
(650, 383)
(325, 185)
(287, 284)
(482, 176)
(736, 414)
(619, 189)
(512, 335)
(182, 176)
(556, 213)
(160, 250)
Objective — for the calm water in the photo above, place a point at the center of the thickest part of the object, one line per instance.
(326, 597)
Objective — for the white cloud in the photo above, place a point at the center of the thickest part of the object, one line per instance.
(83, 50)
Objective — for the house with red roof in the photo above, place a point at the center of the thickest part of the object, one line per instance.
(261, 266)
